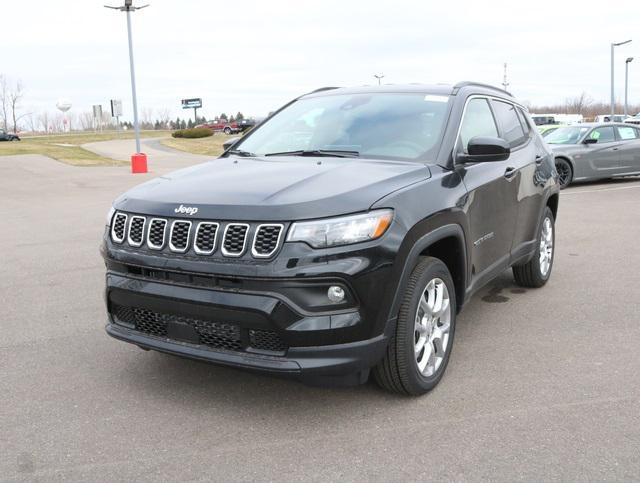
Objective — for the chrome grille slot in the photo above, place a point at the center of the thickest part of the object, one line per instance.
(266, 240)
(205, 238)
(156, 233)
(179, 236)
(235, 239)
(118, 226)
(135, 235)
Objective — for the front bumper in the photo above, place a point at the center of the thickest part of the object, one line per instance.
(335, 365)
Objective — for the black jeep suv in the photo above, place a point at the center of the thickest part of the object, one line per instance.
(340, 236)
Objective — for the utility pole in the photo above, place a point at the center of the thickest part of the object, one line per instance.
(505, 84)
(128, 8)
(379, 77)
(613, 94)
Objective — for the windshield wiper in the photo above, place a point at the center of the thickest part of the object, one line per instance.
(333, 153)
(240, 152)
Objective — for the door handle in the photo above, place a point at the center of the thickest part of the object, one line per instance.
(510, 173)
(614, 149)
(539, 158)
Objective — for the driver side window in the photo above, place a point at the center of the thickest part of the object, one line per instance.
(478, 121)
(602, 135)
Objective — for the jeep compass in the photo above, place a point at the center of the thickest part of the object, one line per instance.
(339, 238)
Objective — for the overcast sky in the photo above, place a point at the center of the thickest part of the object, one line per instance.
(253, 56)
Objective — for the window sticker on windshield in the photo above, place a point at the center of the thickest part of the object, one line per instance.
(432, 98)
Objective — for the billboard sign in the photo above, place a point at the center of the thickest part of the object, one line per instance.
(194, 103)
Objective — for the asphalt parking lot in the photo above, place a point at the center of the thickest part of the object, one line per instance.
(542, 385)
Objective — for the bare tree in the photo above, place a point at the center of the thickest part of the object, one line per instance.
(4, 101)
(578, 104)
(86, 120)
(44, 118)
(32, 122)
(15, 96)
(164, 116)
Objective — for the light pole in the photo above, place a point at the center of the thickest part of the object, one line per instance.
(379, 77)
(613, 95)
(626, 84)
(128, 8)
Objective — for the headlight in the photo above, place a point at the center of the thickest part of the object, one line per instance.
(342, 231)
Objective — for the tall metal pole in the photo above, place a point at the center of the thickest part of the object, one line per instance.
(613, 97)
(136, 126)
(626, 85)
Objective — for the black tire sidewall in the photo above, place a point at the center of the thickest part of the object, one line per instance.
(413, 380)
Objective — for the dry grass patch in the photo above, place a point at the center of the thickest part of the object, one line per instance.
(210, 146)
(66, 147)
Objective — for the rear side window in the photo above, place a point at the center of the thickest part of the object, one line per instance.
(512, 130)
(523, 120)
(478, 121)
(603, 135)
(627, 133)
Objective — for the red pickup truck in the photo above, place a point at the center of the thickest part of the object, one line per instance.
(221, 125)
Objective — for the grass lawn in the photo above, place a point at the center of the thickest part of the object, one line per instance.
(211, 146)
(66, 147)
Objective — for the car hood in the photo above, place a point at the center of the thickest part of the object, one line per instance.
(275, 188)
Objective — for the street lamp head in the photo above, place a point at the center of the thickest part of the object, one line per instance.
(629, 59)
(616, 44)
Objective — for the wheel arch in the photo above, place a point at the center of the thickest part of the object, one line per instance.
(447, 243)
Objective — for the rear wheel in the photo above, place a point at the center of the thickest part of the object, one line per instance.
(227, 130)
(418, 354)
(537, 271)
(15, 139)
(565, 172)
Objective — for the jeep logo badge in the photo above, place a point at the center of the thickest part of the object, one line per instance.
(189, 210)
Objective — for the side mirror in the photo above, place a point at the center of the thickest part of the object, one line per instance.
(227, 144)
(485, 149)
(590, 141)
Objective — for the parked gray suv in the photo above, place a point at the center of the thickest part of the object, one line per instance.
(592, 151)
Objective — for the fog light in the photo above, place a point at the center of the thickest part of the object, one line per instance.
(335, 294)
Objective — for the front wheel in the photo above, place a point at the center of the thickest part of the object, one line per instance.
(227, 130)
(418, 354)
(537, 271)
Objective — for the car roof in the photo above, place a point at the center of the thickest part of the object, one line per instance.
(598, 124)
(465, 87)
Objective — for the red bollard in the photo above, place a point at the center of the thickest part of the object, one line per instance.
(139, 163)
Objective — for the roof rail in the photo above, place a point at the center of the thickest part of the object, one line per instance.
(462, 84)
(322, 89)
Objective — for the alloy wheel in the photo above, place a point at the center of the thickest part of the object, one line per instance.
(432, 326)
(546, 246)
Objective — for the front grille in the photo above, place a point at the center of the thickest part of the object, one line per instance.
(136, 231)
(235, 238)
(213, 334)
(231, 239)
(179, 239)
(266, 340)
(155, 236)
(117, 230)
(205, 242)
(266, 240)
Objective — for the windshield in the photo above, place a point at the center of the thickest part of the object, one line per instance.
(384, 126)
(566, 135)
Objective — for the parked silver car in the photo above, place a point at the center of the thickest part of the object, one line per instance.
(595, 150)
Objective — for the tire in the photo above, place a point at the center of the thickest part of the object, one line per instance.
(565, 172)
(15, 139)
(227, 130)
(532, 274)
(400, 370)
